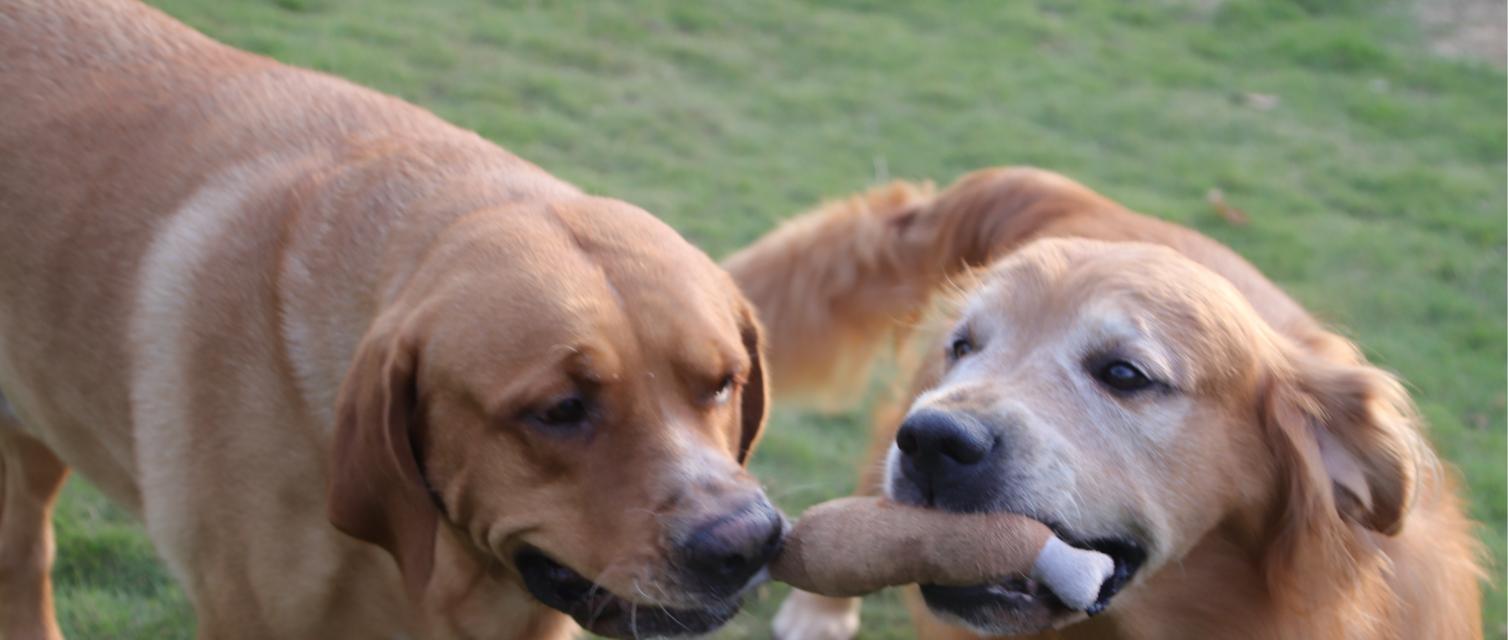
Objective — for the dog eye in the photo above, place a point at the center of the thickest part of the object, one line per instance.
(723, 391)
(567, 412)
(961, 347)
(1123, 376)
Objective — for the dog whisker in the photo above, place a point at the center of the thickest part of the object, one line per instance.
(633, 616)
(663, 609)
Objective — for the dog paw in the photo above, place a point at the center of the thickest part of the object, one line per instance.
(808, 616)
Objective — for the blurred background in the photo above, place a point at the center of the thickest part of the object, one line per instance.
(1353, 149)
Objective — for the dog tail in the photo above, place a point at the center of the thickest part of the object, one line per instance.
(838, 284)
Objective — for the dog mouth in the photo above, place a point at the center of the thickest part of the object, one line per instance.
(604, 613)
(1022, 605)
(1128, 555)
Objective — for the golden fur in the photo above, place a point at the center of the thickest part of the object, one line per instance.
(303, 329)
(1292, 495)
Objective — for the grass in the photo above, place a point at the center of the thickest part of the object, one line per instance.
(1375, 184)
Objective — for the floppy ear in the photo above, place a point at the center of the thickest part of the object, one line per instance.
(377, 492)
(754, 407)
(1351, 434)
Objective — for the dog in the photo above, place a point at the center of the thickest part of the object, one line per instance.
(360, 373)
(1137, 386)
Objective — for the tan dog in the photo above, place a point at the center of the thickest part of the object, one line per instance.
(1139, 387)
(261, 307)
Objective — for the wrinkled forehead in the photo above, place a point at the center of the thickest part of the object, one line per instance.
(1118, 294)
(590, 276)
(670, 291)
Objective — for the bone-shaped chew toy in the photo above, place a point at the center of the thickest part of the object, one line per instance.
(858, 545)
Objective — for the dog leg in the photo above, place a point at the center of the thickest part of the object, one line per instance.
(808, 616)
(30, 477)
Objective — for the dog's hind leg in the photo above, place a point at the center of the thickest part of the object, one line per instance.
(30, 477)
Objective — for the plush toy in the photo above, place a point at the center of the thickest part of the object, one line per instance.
(853, 546)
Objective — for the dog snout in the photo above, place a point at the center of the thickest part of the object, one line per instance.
(942, 449)
(723, 555)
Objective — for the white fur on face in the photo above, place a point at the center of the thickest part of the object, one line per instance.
(1086, 456)
(1147, 426)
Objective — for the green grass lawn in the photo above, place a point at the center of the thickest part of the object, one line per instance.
(1373, 173)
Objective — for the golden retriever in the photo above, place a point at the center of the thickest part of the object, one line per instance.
(1140, 388)
(361, 374)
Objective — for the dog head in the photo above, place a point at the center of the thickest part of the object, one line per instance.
(572, 392)
(1134, 401)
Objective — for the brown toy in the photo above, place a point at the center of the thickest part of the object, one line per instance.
(857, 545)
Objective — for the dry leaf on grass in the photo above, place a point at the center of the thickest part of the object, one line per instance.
(1235, 216)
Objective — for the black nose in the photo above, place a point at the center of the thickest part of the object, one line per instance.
(939, 446)
(724, 554)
